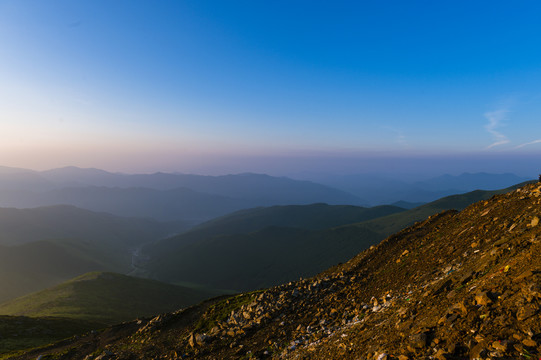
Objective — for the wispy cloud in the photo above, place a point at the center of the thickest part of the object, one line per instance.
(494, 121)
(529, 143)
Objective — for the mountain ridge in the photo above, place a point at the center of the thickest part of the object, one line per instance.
(382, 189)
(162, 196)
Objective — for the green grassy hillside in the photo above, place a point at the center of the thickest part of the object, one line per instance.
(105, 298)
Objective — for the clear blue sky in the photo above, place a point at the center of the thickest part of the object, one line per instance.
(271, 86)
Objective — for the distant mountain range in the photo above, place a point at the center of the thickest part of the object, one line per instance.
(378, 189)
(162, 196)
(197, 198)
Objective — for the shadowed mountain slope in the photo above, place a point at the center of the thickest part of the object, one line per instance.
(313, 217)
(261, 247)
(237, 252)
(308, 217)
(19, 226)
(457, 285)
(260, 259)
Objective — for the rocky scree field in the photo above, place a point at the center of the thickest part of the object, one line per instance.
(459, 285)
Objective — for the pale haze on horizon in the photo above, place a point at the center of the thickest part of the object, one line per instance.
(278, 87)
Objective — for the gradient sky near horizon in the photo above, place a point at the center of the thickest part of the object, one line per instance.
(271, 86)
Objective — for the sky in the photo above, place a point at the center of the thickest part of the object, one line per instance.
(279, 87)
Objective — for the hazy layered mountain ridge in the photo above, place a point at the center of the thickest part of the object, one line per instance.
(162, 196)
(170, 196)
(377, 189)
